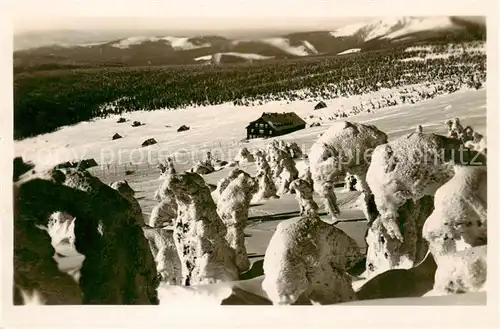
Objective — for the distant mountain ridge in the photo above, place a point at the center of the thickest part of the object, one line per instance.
(143, 50)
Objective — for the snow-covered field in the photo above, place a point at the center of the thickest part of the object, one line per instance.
(220, 129)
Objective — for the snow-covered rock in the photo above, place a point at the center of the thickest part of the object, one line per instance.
(411, 167)
(165, 211)
(461, 272)
(304, 196)
(267, 187)
(223, 183)
(244, 156)
(285, 172)
(459, 220)
(344, 147)
(199, 233)
(107, 232)
(416, 281)
(232, 207)
(306, 261)
(162, 245)
(385, 252)
(123, 187)
(202, 168)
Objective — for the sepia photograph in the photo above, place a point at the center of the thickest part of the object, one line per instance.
(311, 162)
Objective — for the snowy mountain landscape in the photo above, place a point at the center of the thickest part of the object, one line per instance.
(174, 50)
(219, 171)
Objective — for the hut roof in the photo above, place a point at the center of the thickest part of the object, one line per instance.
(280, 121)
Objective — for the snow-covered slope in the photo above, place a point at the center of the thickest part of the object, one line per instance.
(422, 24)
(350, 51)
(284, 44)
(241, 55)
(93, 139)
(132, 41)
(309, 46)
(394, 27)
(178, 43)
(184, 43)
(348, 30)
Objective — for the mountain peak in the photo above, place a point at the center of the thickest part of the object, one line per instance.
(394, 27)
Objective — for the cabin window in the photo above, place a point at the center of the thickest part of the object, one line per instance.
(261, 125)
(251, 130)
(270, 132)
(261, 131)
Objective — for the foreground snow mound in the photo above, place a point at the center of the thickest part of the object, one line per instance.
(280, 159)
(469, 299)
(411, 167)
(344, 147)
(246, 292)
(286, 173)
(304, 196)
(37, 279)
(385, 252)
(202, 168)
(244, 156)
(162, 245)
(223, 183)
(61, 228)
(461, 272)
(232, 207)
(306, 261)
(401, 282)
(106, 232)
(199, 233)
(165, 211)
(267, 188)
(459, 220)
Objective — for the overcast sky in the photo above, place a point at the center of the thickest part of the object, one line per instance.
(222, 14)
(185, 23)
